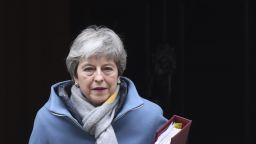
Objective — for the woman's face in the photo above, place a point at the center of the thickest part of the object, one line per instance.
(97, 78)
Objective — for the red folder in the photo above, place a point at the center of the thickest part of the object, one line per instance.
(182, 136)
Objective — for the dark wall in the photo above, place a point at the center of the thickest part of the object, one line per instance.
(34, 40)
(194, 58)
(219, 71)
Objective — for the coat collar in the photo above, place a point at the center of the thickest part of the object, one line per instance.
(56, 105)
(133, 100)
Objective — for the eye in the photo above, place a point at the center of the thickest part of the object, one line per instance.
(107, 70)
(89, 70)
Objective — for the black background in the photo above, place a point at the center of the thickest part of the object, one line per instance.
(210, 58)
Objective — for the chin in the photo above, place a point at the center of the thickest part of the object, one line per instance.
(98, 99)
(98, 102)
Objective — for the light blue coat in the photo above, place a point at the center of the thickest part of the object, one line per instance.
(136, 123)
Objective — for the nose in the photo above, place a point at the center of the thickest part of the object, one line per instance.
(98, 76)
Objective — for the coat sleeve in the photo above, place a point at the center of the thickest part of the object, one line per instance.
(39, 132)
(155, 118)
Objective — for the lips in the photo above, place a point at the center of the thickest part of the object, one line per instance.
(99, 88)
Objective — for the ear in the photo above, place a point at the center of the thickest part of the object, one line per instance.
(75, 79)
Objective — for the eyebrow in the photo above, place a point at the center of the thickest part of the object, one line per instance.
(109, 64)
(87, 65)
(91, 65)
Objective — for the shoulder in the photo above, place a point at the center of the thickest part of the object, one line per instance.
(39, 132)
(42, 118)
(152, 107)
(46, 115)
(134, 95)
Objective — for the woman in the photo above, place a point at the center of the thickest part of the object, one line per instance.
(98, 105)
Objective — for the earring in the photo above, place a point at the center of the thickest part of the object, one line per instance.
(77, 85)
(118, 81)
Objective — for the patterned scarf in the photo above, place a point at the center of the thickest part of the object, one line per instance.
(97, 120)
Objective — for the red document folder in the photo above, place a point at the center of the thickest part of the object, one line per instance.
(182, 136)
